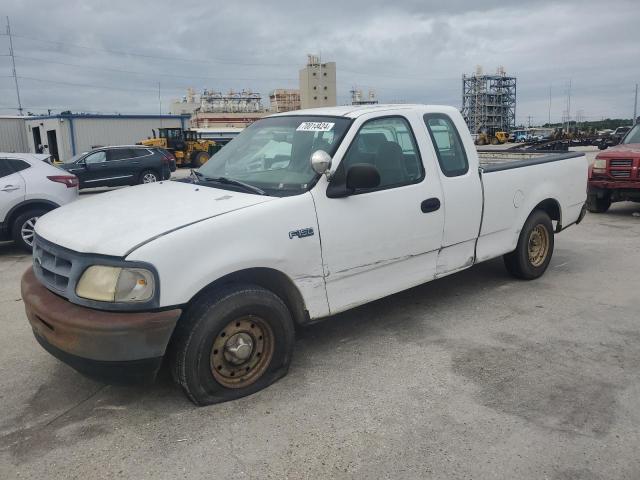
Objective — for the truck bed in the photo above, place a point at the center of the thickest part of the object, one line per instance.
(497, 160)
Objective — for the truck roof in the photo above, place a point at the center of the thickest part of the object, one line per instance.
(354, 111)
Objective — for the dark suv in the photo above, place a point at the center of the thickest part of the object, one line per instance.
(124, 165)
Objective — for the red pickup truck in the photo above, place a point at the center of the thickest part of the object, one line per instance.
(615, 174)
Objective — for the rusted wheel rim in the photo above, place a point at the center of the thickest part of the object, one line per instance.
(538, 245)
(242, 351)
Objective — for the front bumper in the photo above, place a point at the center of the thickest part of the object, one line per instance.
(604, 184)
(113, 346)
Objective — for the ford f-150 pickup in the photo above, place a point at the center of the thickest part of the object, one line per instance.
(303, 215)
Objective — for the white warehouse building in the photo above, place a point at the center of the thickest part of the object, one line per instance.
(66, 135)
(13, 136)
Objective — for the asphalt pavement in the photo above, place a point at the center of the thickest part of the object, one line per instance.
(476, 375)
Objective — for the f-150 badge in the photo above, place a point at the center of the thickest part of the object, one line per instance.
(303, 232)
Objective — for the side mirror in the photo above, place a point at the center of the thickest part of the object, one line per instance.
(320, 161)
(362, 175)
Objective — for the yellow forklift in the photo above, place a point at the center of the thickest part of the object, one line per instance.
(186, 145)
(498, 137)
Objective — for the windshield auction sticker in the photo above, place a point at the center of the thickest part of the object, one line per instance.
(315, 127)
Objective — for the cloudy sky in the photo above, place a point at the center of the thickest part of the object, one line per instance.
(110, 56)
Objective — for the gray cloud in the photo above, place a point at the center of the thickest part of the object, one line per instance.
(407, 51)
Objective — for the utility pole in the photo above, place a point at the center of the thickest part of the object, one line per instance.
(13, 63)
(529, 120)
(549, 121)
(160, 104)
(635, 107)
(569, 107)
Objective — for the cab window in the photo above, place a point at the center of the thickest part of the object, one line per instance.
(389, 145)
(448, 145)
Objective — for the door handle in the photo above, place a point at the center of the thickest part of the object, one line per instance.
(430, 205)
(10, 188)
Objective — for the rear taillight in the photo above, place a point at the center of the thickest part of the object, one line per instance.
(69, 180)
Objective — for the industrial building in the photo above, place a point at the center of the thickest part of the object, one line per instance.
(489, 101)
(65, 135)
(358, 97)
(284, 100)
(318, 84)
(13, 136)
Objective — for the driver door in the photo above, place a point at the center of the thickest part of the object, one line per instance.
(386, 239)
(95, 169)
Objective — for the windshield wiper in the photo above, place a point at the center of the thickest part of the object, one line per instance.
(230, 181)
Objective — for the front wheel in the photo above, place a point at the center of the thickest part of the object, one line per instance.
(231, 344)
(533, 253)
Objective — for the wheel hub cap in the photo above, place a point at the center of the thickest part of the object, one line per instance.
(238, 348)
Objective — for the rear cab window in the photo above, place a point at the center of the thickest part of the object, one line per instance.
(447, 143)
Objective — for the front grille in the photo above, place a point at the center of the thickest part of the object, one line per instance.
(52, 267)
(621, 163)
(620, 173)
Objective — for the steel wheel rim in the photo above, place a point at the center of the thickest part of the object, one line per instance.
(27, 231)
(242, 351)
(538, 245)
(149, 178)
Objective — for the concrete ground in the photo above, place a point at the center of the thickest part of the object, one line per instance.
(476, 376)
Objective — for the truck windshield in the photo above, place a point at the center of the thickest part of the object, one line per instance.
(274, 153)
(633, 136)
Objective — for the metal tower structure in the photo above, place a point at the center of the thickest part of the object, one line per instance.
(489, 101)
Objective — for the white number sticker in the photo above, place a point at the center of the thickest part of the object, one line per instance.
(315, 127)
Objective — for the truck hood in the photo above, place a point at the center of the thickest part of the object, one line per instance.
(117, 222)
(632, 149)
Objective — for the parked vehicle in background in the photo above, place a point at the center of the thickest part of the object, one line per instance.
(397, 193)
(613, 138)
(493, 137)
(187, 146)
(615, 174)
(29, 188)
(121, 165)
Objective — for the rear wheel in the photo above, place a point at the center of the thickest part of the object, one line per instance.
(533, 253)
(23, 228)
(198, 159)
(149, 176)
(597, 204)
(231, 344)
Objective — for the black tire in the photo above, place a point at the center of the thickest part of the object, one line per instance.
(193, 350)
(519, 263)
(198, 159)
(597, 204)
(24, 220)
(146, 175)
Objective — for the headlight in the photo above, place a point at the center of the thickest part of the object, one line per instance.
(116, 284)
(600, 166)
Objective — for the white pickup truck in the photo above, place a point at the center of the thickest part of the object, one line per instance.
(304, 215)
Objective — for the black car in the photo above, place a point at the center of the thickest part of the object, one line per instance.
(116, 166)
